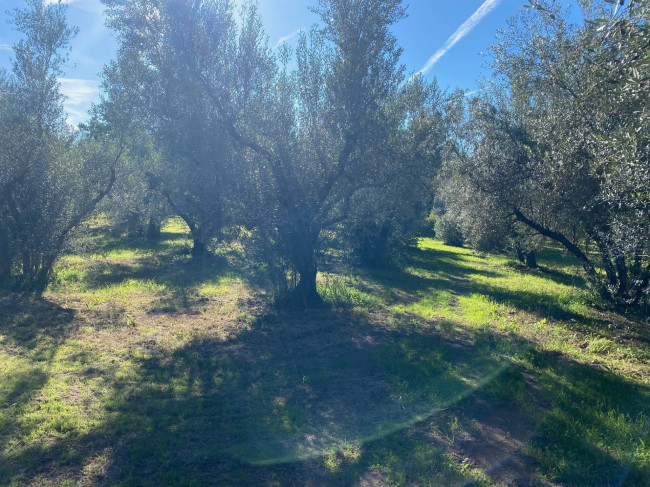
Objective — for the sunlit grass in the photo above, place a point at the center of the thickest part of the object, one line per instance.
(128, 287)
(175, 226)
(344, 291)
(174, 368)
(222, 285)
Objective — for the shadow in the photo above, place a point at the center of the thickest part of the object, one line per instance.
(553, 264)
(294, 387)
(423, 272)
(561, 277)
(594, 427)
(174, 270)
(430, 271)
(555, 274)
(31, 332)
(168, 260)
(328, 397)
(322, 397)
(179, 273)
(540, 303)
(33, 326)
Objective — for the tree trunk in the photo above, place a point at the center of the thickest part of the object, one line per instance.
(306, 293)
(199, 248)
(39, 284)
(622, 274)
(5, 261)
(153, 231)
(587, 265)
(27, 264)
(531, 261)
(303, 240)
(520, 253)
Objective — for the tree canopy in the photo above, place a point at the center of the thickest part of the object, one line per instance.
(51, 178)
(331, 143)
(560, 144)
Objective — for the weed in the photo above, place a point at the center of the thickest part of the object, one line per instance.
(340, 291)
(601, 345)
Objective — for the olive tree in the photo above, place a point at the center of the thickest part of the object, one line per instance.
(182, 68)
(328, 141)
(388, 215)
(337, 157)
(465, 213)
(52, 177)
(566, 152)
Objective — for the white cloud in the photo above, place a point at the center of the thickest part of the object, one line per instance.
(486, 7)
(79, 90)
(5, 47)
(288, 37)
(79, 93)
(91, 6)
(50, 2)
(473, 92)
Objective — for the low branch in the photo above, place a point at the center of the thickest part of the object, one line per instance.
(570, 246)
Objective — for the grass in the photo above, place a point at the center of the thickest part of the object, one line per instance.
(143, 367)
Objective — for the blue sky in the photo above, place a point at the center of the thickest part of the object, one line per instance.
(439, 40)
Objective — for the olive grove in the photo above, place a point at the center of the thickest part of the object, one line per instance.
(289, 145)
(559, 144)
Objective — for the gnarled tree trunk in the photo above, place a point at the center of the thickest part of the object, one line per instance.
(303, 240)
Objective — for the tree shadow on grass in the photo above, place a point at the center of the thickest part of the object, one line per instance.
(559, 276)
(33, 326)
(294, 387)
(447, 272)
(166, 263)
(172, 281)
(423, 271)
(31, 331)
(328, 398)
(172, 270)
(553, 264)
(594, 430)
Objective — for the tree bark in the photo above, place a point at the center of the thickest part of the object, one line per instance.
(199, 248)
(531, 261)
(303, 240)
(153, 231)
(306, 293)
(521, 256)
(5, 261)
(623, 280)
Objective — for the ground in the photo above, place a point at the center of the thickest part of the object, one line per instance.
(142, 366)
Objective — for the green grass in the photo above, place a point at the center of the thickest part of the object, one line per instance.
(343, 292)
(144, 367)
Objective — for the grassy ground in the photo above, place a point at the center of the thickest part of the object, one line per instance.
(142, 367)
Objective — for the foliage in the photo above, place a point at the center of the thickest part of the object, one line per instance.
(352, 141)
(387, 217)
(330, 145)
(136, 205)
(169, 53)
(566, 152)
(51, 178)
